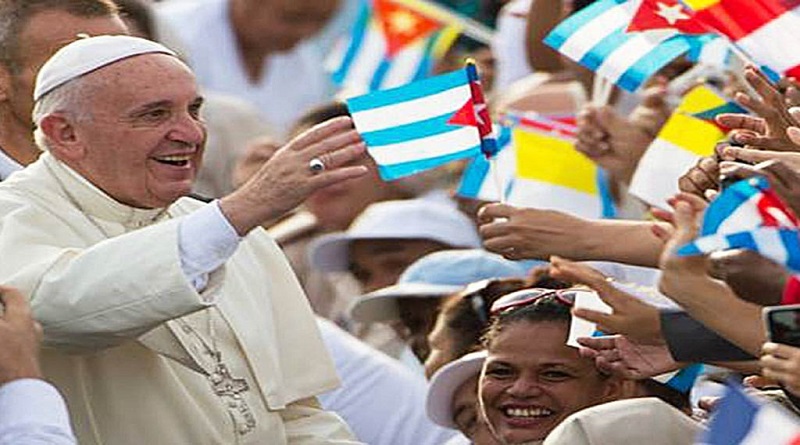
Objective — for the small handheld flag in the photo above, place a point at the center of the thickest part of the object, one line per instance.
(425, 124)
(551, 174)
(688, 134)
(755, 26)
(740, 419)
(597, 38)
(749, 215)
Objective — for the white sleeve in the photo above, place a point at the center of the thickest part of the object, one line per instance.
(32, 412)
(206, 240)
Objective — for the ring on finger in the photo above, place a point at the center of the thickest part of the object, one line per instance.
(316, 165)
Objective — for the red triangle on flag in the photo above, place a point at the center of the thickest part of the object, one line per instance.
(665, 14)
(402, 25)
(464, 116)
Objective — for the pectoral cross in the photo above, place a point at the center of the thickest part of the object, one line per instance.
(230, 389)
(224, 384)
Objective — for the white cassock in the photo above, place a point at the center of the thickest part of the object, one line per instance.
(132, 345)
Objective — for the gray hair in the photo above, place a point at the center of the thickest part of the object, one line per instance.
(71, 99)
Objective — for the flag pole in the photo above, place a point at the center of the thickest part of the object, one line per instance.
(488, 142)
(471, 28)
(498, 181)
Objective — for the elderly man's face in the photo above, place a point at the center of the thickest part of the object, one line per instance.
(43, 35)
(143, 141)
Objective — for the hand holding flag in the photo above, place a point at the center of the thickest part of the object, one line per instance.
(749, 215)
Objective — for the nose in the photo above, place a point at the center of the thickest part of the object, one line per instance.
(524, 387)
(188, 129)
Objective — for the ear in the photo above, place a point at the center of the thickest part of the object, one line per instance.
(61, 137)
(618, 388)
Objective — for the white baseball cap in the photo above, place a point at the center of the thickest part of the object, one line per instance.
(88, 54)
(404, 219)
(437, 274)
(445, 382)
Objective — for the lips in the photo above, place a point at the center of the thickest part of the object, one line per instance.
(177, 160)
(526, 416)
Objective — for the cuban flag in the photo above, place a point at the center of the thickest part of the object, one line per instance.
(597, 37)
(749, 215)
(740, 419)
(391, 44)
(425, 124)
(760, 28)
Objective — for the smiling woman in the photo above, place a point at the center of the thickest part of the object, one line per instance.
(529, 385)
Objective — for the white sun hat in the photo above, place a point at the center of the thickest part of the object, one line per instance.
(444, 384)
(424, 219)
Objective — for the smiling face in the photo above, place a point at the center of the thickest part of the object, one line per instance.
(143, 142)
(534, 381)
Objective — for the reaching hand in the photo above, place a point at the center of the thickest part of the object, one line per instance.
(616, 143)
(784, 180)
(703, 176)
(20, 337)
(752, 277)
(631, 316)
(768, 131)
(679, 271)
(619, 355)
(521, 233)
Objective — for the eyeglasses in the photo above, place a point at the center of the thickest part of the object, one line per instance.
(527, 297)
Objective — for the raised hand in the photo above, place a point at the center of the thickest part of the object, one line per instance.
(619, 355)
(768, 130)
(631, 316)
(287, 179)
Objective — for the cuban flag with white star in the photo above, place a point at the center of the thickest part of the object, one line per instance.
(604, 38)
(749, 215)
(425, 124)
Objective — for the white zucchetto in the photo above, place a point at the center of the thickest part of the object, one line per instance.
(88, 54)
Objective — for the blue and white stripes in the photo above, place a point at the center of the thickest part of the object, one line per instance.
(407, 129)
(595, 37)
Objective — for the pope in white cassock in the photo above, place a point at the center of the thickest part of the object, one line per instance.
(167, 321)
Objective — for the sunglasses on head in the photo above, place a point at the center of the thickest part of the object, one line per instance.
(527, 297)
(479, 293)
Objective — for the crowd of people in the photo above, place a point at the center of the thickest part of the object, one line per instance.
(197, 248)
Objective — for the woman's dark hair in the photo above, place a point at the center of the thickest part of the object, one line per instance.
(547, 308)
(466, 314)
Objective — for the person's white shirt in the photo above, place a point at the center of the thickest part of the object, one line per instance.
(381, 400)
(293, 81)
(32, 412)
(508, 44)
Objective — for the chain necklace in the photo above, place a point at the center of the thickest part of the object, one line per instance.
(223, 384)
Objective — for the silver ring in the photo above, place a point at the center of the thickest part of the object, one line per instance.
(316, 165)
